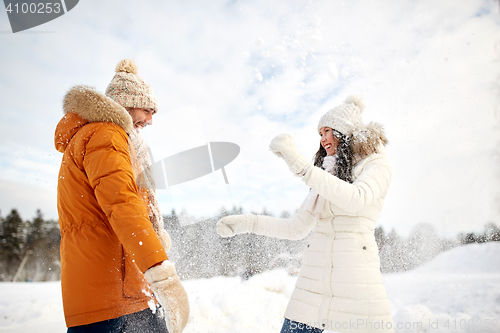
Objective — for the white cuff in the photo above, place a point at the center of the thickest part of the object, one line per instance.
(303, 172)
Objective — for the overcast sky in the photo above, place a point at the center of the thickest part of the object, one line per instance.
(246, 71)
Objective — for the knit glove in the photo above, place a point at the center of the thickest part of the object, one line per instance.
(236, 224)
(283, 146)
(168, 290)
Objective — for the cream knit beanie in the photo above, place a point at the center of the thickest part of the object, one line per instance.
(128, 89)
(345, 118)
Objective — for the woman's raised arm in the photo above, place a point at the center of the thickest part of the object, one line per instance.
(371, 184)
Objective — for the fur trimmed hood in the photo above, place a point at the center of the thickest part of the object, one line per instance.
(83, 105)
(93, 106)
(366, 139)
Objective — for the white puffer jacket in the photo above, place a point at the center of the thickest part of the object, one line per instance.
(340, 285)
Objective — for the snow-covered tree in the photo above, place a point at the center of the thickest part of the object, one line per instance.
(12, 242)
(423, 245)
(492, 232)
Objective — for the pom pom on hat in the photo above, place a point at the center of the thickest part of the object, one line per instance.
(127, 66)
(356, 100)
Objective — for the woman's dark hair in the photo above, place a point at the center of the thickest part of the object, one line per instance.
(343, 165)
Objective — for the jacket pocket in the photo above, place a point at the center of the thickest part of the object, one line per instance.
(369, 247)
(134, 283)
(364, 247)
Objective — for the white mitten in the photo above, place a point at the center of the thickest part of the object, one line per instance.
(236, 224)
(169, 291)
(284, 146)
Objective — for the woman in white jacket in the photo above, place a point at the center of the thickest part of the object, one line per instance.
(339, 286)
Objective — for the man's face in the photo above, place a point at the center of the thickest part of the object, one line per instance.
(141, 117)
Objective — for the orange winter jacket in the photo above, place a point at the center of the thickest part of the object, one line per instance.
(107, 240)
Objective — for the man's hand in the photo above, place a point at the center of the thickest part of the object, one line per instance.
(169, 291)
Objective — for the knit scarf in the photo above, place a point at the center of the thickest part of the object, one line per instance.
(315, 203)
(145, 181)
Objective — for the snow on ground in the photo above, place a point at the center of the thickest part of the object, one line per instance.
(31, 307)
(224, 304)
(458, 291)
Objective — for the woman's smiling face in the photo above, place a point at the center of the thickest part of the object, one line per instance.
(328, 140)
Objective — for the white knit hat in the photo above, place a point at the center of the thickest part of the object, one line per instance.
(346, 117)
(128, 89)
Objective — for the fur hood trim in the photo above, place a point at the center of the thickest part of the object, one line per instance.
(367, 138)
(93, 106)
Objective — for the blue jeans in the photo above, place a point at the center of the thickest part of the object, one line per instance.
(138, 322)
(290, 326)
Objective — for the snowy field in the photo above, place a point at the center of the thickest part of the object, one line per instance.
(458, 291)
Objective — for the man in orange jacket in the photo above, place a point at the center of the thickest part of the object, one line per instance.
(111, 256)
